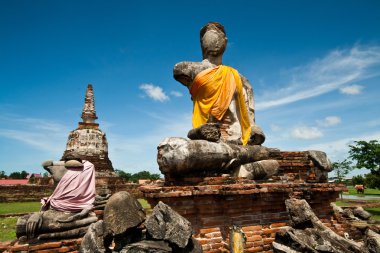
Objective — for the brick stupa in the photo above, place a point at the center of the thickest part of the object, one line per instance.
(89, 141)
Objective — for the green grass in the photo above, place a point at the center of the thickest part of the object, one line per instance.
(368, 191)
(7, 229)
(375, 211)
(341, 203)
(19, 207)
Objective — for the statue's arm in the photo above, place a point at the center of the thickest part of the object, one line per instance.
(77, 216)
(183, 73)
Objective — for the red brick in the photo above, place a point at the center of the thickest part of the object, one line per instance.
(276, 225)
(254, 238)
(254, 249)
(20, 247)
(48, 245)
(208, 230)
(252, 228)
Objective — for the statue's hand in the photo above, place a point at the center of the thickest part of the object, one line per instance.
(33, 224)
(76, 216)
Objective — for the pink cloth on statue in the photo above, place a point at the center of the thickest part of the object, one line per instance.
(75, 191)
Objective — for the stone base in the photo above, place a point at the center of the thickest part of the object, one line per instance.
(257, 208)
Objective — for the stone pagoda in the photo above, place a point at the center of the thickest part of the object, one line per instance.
(89, 141)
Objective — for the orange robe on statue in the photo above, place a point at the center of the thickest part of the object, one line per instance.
(212, 91)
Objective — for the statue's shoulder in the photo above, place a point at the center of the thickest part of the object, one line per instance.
(186, 71)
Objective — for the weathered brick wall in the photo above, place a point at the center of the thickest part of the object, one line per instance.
(259, 209)
(25, 193)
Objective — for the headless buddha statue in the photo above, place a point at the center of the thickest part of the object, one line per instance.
(67, 212)
(220, 94)
(224, 138)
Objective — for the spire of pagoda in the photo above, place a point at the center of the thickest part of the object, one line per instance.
(89, 113)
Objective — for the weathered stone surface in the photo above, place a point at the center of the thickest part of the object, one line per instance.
(258, 170)
(280, 248)
(73, 164)
(208, 132)
(361, 213)
(258, 136)
(122, 212)
(320, 160)
(147, 247)
(93, 241)
(166, 224)
(179, 155)
(311, 235)
(372, 241)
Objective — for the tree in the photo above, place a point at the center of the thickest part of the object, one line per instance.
(367, 155)
(2, 174)
(359, 179)
(15, 175)
(342, 169)
(123, 174)
(372, 181)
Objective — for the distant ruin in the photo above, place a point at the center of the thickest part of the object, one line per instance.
(89, 141)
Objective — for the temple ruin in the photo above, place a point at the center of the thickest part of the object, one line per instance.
(89, 141)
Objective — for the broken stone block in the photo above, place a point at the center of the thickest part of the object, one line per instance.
(361, 213)
(372, 241)
(122, 212)
(166, 224)
(93, 240)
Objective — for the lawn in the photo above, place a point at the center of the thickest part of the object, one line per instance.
(19, 207)
(368, 191)
(7, 229)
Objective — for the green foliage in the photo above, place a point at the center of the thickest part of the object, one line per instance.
(136, 176)
(372, 181)
(358, 180)
(18, 175)
(123, 174)
(366, 154)
(2, 174)
(342, 169)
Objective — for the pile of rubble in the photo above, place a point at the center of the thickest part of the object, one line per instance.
(308, 234)
(125, 228)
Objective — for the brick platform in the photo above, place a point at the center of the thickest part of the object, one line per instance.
(259, 209)
(214, 204)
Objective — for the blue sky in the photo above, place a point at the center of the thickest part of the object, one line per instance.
(314, 67)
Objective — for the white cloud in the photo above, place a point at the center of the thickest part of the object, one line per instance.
(352, 89)
(275, 128)
(42, 134)
(329, 121)
(176, 93)
(154, 92)
(321, 76)
(306, 133)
